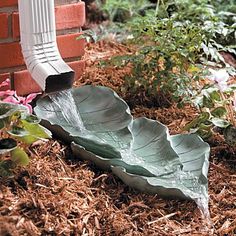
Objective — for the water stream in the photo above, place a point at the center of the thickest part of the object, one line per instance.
(203, 205)
(66, 104)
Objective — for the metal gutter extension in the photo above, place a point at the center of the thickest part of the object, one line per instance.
(39, 46)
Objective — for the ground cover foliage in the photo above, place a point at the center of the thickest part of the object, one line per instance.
(18, 128)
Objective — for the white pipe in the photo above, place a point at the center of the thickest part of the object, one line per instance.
(39, 46)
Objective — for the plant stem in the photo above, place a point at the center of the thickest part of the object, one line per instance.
(229, 109)
(157, 7)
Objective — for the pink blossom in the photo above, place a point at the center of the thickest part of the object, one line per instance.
(220, 77)
(26, 100)
(222, 86)
(31, 97)
(5, 83)
(13, 98)
(7, 93)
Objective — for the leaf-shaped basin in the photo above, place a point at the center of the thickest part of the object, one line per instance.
(141, 152)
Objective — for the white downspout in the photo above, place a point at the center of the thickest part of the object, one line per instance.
(39, 46)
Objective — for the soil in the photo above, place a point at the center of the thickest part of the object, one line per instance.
(58, 194)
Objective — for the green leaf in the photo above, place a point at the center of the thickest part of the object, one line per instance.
(32, 119)
(207, 102)
(2, 124)
(89, 36)
(219, 112)
(31, 132)
(220, 122)
(8, 112)
(18, 132)
(35, 132)
(203, 117)
(16, 116)
(8, 109)
(204, 133)
(205, 126)
(6, 145)
(215, 96)
(141, 151)
(20, 157)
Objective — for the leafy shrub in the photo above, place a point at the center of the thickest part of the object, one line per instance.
(171, 41)
(18, 129)
(217, 105)
(164, 63)
(121, 10)
(218, 26)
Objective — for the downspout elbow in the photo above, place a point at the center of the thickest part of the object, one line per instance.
(39, 46)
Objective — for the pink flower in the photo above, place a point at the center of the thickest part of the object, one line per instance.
(11, 96)
(220, 77)
(222, 86)
(11, 99)
(7, 93)
(26, 100)
(5, 83)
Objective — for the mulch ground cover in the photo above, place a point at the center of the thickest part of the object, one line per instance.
(57, 194)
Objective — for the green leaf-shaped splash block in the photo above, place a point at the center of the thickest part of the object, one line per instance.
(141, 152)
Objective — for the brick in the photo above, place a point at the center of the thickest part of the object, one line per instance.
(70, 16)
(67, 17)
(68, 47)
(24, 84)
(8, 3)
(78, 67)
(4, 25)
(3, 77)
(15, 25)
(10, 55)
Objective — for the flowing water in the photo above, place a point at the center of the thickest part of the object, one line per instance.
(66, 104)
(202, 203)
(198, 193)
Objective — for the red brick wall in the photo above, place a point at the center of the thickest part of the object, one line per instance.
(70, 16)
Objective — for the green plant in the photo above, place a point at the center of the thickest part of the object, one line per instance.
(121, 10)
(165, 60)
(18, 129)
(218, 24)
(11, 96)
(216, 103)
(171, 41)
